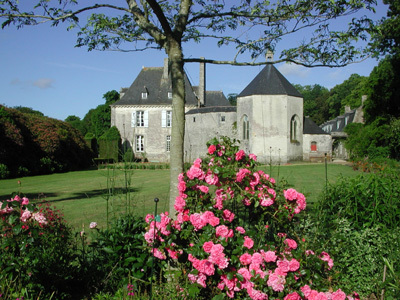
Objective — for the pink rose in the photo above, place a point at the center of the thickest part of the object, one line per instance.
(253, 156)
(294, 265)
(290, 194)
(306, 290)
(338, 295)
(25, 201)
(290, 243)
(181, 186)
(228, 215)
(248, 242)
(245, 259)
(292, 296)
(25, 215)
(241, 230)
(269, 256)
(222, 231)
(157, 253)
(211, 149)
(207, 246)
(239, 155)
(211, 178)
(241, 174)
(203, 188)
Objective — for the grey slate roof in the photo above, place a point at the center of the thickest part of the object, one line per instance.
(310, 127)
(151, 80)
(270, 82)
(214, 98)
(339, 123)
(203, 110)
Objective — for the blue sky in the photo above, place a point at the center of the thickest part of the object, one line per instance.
(40, 68)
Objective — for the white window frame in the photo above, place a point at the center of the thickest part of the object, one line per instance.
(139, 143)
(169, 95)
(166, 118)
(168, 143)
(144, 95)
(140, 118)
(246, 129)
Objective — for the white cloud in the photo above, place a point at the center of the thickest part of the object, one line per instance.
(43, 83)
(293, 70)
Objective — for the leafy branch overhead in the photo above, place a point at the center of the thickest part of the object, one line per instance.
(252, 27)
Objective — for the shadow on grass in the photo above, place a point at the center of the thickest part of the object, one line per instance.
(47, 197)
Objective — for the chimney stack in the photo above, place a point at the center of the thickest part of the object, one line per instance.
(166, 69)
(202, 83)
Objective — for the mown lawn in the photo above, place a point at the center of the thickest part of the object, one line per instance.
(82, 195)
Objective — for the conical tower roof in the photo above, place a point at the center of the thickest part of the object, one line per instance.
(270, 82)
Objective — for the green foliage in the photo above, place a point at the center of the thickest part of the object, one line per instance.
(76, 122)
(394, 138)
(386, 38)
(368, 140)
(37, 257)
(109, 144)
(315, 102)
(232, 98)
(359, 255)
(347, 93)
(4, 172)
(383, 90)
(119, 253)
(33, 144)
(365, 201)
(28, 110)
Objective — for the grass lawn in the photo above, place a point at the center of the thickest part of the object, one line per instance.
(82, 195)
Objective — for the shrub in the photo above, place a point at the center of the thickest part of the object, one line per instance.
(119, 253)
(234, 233)
(36, 246)
(4, 172)
(365, 200)
(359, 255)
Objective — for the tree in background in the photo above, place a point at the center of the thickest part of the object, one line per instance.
(386, 39)
(232, 98)
(28, 110)
(347, 93)
(384, 90)
(168, 25)
(77, 123)
(315, 102)
(98, 120)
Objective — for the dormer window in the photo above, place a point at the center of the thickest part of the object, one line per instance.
(144, 95)
(169, 95)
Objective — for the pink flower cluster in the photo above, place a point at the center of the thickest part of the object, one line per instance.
(311, 294)
(232, 258)
(7, 209)
(298, 200)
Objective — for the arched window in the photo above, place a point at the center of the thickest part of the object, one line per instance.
(246, 130)
(294, 129)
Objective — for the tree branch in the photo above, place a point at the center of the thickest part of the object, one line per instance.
(287, 60)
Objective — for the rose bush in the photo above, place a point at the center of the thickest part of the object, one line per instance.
(232, 234)
(36, 251)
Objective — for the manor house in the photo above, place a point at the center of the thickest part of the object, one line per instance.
(268, 119)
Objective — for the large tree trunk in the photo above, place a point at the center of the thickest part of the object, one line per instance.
(175, 57)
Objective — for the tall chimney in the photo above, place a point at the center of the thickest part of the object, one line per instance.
(202, 83)
(166, 69)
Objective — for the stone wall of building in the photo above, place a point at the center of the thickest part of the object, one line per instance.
(202, 127)
(323, 144)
